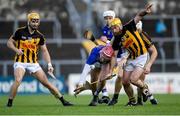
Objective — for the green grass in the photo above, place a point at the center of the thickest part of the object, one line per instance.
(47, 105)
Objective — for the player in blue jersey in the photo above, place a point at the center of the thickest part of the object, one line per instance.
(91, 43)
(101, 55)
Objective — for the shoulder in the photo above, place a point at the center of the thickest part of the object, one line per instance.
(129, 25)
(97, 49)
(20, 29)
(39, 34)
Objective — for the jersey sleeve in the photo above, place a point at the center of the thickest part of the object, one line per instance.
(146, 39)
(42, 40)
(131, 25)
(92, 57)
(16, 35)
(116, 43)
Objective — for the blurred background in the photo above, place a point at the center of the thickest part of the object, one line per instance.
(63, 23)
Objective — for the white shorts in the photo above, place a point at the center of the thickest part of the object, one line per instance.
(140, 61)
(31, 67)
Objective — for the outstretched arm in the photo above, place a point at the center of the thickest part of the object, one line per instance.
(142, 13)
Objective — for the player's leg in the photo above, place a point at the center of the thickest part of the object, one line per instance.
(94, 77)
(18, 74)
(105, 68)
(41, 76)
(139, 97)
(135, 79)
(139, 92)
(105, 97)
(96, 93)
(128, 88)
(118, 86)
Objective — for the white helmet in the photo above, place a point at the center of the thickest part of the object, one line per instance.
(109, 13)
(139, 25)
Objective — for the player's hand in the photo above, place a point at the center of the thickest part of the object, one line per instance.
(147, 69)
(104, 39)
(50, 68)
(19, 52)
(148, 8)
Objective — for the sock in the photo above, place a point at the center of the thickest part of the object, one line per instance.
(10, 101)
(104, 92)
(132, 99)
(115, 96)
(139, 99)
(96, 93)
(62, 99)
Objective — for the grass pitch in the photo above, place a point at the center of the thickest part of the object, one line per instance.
(48, 105)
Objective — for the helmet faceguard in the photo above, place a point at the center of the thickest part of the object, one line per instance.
(116, 26)
(108, 16)
(33, 20)
(107, 52)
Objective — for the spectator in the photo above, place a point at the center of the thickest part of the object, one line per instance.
(160, 28)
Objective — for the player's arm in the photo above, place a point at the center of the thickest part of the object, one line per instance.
(85, 72)
(11, 45)
(153, 55)
(113, 62)
(142, 13)
(87, 67)
(46, 57)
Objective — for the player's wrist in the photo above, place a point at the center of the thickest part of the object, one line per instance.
(49, 64)
(143, 13)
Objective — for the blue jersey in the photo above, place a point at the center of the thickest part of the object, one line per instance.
(94, 55)
(107, 32)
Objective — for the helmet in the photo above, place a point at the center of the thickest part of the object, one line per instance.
(139, 25)
(33, 15)
(116, 21)
(107, 51)
(109, 13)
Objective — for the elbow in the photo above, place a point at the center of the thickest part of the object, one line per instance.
(156, 54)
(8, 44)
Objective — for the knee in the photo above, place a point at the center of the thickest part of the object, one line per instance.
(125, 82)
(133, 80)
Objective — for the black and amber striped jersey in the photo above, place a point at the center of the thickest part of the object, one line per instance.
(28, 43)
(131, 40)
(146, 39)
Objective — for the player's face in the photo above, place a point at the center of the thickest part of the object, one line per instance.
(116, 29)
(104, 58)
(34, 23)
(108, 19)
